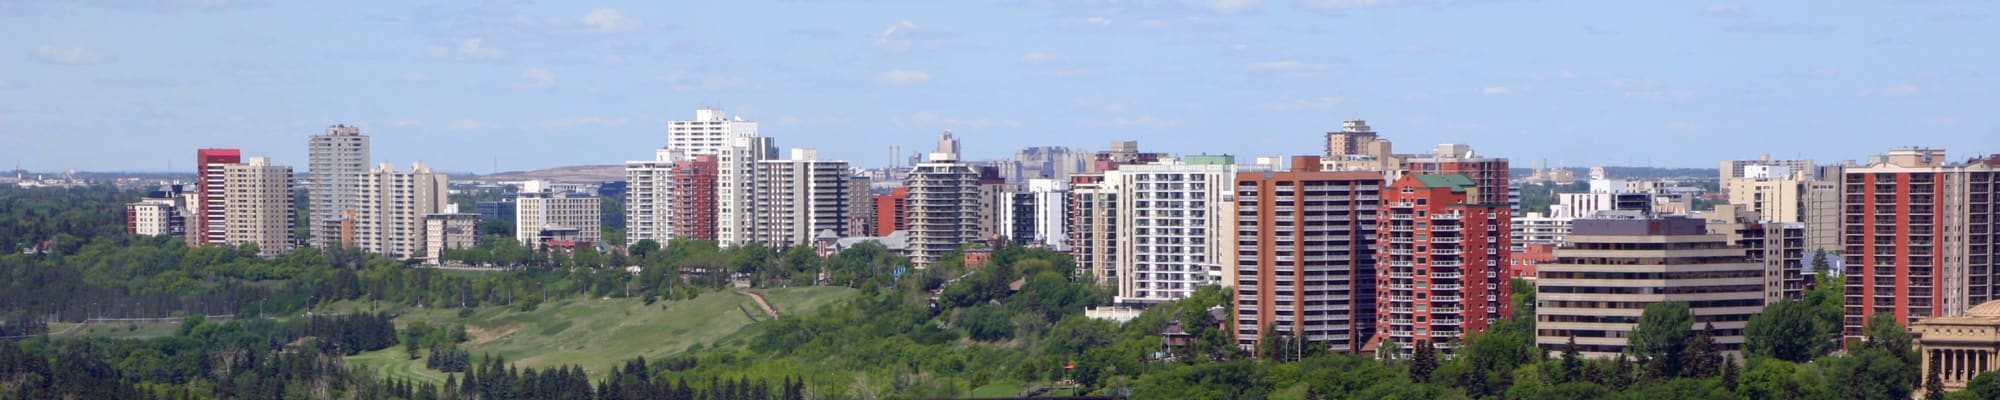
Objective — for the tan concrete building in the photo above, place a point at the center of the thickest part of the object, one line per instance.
(390, 220)
(259, 209)
(1781, 194)
(1356, 147)
(1093, 225)
(1618, 262)
(799, 197)
(538, 211)
(943, 211)
(446, 232)
(1964, 346)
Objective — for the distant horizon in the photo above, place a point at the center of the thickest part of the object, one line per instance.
(512, 86)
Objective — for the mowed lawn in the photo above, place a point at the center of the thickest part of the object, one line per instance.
(599, 334)
(396, 363)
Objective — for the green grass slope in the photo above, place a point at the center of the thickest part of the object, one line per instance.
(597, 334)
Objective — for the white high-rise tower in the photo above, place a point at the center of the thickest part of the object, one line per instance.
(339, 162)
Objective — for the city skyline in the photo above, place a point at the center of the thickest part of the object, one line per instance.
(130, 85)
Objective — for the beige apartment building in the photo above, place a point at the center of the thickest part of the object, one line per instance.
(446, 232)
(1616, 263)
(943, 211)
(1781, 194)
(390, 220)
(537, 211)
(797, 198)
(259, 208)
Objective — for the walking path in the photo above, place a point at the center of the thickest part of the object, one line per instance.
(760, 302)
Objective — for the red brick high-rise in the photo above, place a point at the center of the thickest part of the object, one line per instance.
(207, 226)
(1443, 268)
(1488, 174)
(891, 210)
(1306, 261)
(1921, 236)
(693, 204)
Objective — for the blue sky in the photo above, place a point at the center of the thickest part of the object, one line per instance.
(139, 85)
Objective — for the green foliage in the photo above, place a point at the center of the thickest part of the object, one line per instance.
(1662, 335)
(1779, 379)
(1423, 362)
(1788, 330)
(1239, 379)
(1871, 372)
(1984, 386)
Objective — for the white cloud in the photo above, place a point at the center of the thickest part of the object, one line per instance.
(901, 76)
(1896, 90)
(1285, 65)
(471, 48)
(610, 21)
(1495, 90)
(574, 122)
(1719, 10)
(1340, 4)
(906, 36)
(1321, 104)
(1566, 74)
(1683, 125)
(1098, 21)
(68, 55)
(405, 122)
(1232, 6)
(1099, 103)
(1146, 121)
(538, 78)
(928, 118)
(414, 77)
(464, 125)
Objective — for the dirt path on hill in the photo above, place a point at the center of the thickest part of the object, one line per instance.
(773, 312)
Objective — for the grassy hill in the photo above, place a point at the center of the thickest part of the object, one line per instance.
(596, 333)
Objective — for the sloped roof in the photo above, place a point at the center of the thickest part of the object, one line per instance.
(1456, 182)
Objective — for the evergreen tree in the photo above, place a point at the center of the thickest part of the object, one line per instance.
(1424, 362)
(1621, 373)
(1703, 357)
(1572, 363)
(1730, 373)
(1933, 383)
(1662, 334)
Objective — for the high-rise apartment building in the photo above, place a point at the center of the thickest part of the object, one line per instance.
(1618, 262)
(160, 213)
(708, 133)
(994, 192)
(1093, 226)
(152, 218)
(390, 220)
(1731, 169)
(799, 197)
(1038, 213)
(1356, 147)
(1489, 175)
(860, 208)
(208, 224)
(536, 212)
(1446, 257)
(338, 161)
(692, 192)
(736, 187)
(943, 210)
(649, 198)
(892, 211)
(1305, 255)
(259, 206)
(447, 231)
(1780, 194)
(1779, 246)
(1170, 215)
(1920, 236)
